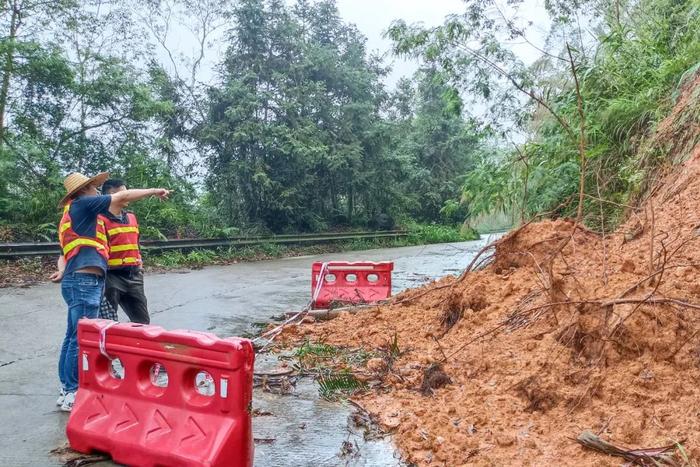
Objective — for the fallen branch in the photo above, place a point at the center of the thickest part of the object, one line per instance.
(71, 458)
(652, 300)
(602, 228)
(617, 301)
(359, 406)
(326, 314)
(663, 267)
(645, 457)
(481, 252)
(274, 373)
(476, 338)
(621, 205)
(651, 238)
(581, 139)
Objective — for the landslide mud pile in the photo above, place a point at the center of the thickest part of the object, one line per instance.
(562, 332)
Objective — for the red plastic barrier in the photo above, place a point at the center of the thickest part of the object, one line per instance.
(148, 419)
(345, 282)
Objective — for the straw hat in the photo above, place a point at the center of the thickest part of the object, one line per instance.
(76, 181)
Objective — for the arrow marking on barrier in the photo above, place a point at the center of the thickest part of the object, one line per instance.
(196, 432)
(101, 411)
(130, 421)
(162, 426)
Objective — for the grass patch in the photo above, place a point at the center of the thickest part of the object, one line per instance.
(195, 258)
(340, 385)
(421, 234)
(312, 351)
(332, 368)
(393, 349)
(316, 356)
(200, 257)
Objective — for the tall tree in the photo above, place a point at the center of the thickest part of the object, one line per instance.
(436, 138)
(293, 127)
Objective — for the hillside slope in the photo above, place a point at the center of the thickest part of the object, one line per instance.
(562, 332)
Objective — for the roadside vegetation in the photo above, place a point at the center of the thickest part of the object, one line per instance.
(290, 129)
(573, 128)
(296, 132)
(418, 235)
(342, 371)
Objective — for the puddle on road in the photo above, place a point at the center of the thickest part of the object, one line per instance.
(305, 430)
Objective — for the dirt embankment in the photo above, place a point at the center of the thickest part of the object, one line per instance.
(563, 332)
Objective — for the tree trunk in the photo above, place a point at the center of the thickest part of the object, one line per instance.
(351, 203)
(7, 69)
(334, 195)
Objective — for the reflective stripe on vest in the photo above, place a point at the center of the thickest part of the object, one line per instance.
(81, 242)
(127, 247)
(71, 242)
(123, 241)
(122, 261)
(98, 234)
(117, 230)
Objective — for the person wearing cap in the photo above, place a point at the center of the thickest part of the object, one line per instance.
(124, 281)
(82, 265)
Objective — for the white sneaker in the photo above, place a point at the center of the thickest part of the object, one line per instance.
(61, 397)
(68, 402)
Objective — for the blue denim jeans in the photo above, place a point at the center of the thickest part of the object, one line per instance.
(82, 293)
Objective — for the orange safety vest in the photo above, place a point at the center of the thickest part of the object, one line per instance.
(123, 242)
(71, 242)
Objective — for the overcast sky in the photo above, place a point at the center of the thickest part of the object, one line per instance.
(373, 17)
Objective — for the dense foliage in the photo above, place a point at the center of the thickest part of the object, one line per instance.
(622, 61)
(295, 130)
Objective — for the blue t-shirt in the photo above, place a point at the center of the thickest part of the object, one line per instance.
(83, 215)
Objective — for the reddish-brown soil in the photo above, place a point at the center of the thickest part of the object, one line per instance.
(524, 377)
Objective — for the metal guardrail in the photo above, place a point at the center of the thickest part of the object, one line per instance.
(22, 250)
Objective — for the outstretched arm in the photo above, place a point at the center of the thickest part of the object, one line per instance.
(122, 198)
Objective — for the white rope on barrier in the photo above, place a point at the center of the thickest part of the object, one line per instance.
(274, 332)
(103, 340)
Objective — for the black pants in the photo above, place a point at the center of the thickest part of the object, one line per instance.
(125, 287)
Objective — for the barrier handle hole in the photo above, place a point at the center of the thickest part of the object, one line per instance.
(329, 278)
(159, 375)
(204, 384)
(116, 369)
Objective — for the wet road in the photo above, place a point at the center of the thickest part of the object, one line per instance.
(227, 301)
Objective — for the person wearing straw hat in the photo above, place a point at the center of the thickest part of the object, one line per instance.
(82, 265)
